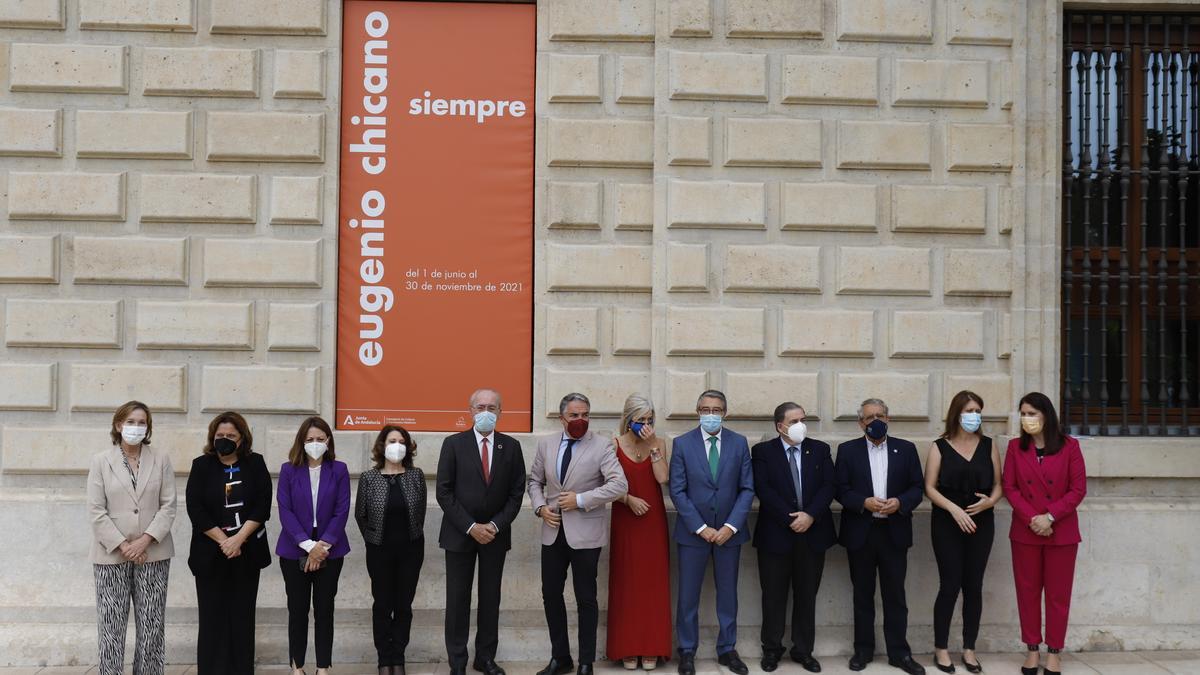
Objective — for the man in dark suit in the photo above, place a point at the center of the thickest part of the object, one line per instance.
(712, 487)
(793, 478)
(480, 484)
(879, 483)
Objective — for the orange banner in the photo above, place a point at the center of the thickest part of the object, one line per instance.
(435, 243)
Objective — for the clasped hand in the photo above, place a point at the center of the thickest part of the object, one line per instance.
(1042, 526)
(483, 533)
(716, 537)
(317, 556)
(135, 551)
(801, 521)
(882, 506)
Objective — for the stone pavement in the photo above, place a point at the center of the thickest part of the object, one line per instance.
(1086, 663)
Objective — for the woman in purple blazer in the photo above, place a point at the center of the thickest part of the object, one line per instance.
(314, 504)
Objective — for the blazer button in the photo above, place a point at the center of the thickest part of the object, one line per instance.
(1051, 482)
(135, 511)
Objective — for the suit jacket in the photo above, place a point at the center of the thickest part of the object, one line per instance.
(120, 512)
(700, 500)
(296, 509)
(904, 482)
(777, 495)
(370, 508)
(205, 494)
(1056, 486)
(595, 474)
(466, 499)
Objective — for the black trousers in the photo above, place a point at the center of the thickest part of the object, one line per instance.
(880, 556)
(460, 577)
(557, 558)
(961, 559)
(799, 571)
(394, 576)
(316, 589)
(226, 599)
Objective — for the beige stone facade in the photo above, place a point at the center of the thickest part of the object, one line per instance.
(815, 200)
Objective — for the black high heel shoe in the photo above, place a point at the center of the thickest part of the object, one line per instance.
(944, 669)
(976, 667)
(1047, 671)
(1030, 671)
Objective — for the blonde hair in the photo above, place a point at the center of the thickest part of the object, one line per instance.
(635, 406)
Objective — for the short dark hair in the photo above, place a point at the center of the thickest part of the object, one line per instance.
(239, 423)
(381, 444)
(713, 393)
(1051, 432)
(783, 409)
(296, 454)
(960, 401)
(124, 412)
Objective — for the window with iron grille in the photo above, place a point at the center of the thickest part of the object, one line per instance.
(1131, 224)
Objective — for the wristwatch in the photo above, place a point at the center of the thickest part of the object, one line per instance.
(538, 511)
(1050, 517)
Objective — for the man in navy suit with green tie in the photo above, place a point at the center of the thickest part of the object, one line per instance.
(712, 487)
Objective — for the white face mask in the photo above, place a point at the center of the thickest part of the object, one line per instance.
(395, 452)
(133, 434)
(797, 432)
(316, 449)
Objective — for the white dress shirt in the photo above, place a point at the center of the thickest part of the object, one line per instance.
(878, 454)
(314, 480)
(707, 436)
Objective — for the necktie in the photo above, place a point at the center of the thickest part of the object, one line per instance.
(566, 460)
(487, 472)
(713, 457)
(795, 462)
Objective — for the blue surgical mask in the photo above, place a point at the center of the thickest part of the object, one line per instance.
(970, 421)
(636, 428)
(485, 421)
(711, 424)
(876, 430)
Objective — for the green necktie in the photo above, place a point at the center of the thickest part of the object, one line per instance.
(713, 457)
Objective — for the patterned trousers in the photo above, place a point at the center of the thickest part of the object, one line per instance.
(146, 586)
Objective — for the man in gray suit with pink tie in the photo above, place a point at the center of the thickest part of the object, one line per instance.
(575, 473)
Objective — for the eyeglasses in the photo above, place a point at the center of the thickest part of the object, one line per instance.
(711, 411)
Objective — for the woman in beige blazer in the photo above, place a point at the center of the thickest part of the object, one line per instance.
(131, 500)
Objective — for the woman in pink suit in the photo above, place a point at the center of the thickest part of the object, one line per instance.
(1045, 481)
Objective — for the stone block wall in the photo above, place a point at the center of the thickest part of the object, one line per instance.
(168, 209)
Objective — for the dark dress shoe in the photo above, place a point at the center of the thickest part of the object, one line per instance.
(584, 669)
(687, 663)
(489, 667)
(556, 667)
(733, 662)
(907, 665)
(807, 662)
(770, 661)
(976, 667)
(458, 671)
(859, 661)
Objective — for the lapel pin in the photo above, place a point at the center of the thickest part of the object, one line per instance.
(499, 446)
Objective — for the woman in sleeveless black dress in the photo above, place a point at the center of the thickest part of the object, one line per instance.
(962, 479)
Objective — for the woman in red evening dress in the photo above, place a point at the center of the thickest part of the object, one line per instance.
(639, 584)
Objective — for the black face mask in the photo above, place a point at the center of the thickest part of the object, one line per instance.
(877, 429)
(224, 447)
